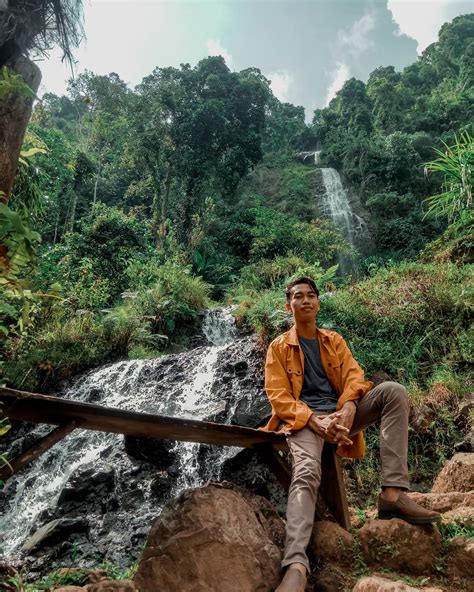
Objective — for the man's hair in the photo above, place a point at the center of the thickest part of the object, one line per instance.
(302, 279)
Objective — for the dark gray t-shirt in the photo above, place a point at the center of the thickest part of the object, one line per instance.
(317, 391)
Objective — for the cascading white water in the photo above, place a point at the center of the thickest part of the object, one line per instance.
(153, 386)
(337, 206)
(310, 156)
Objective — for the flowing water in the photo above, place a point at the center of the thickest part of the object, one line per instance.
(178, 385)
(336, 205)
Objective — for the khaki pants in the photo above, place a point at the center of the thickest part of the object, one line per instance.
(387, 402)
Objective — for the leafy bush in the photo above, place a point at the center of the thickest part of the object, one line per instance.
(276, 234)
(173, 301)
(260, 293)
(65, 341)
(404, 320)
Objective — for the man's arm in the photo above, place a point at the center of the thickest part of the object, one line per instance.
(280, 392)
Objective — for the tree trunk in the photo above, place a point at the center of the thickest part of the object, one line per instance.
(99, 167)
(73, 213)
(164, 208)
(15, 111)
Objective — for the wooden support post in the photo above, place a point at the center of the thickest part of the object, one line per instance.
(332, 488)
(36, 450)
(277, 464)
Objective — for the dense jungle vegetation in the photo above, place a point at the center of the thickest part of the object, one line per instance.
(147, 213)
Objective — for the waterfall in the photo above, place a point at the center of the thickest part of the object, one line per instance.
(336, 204)
(311, 156)
(182, 385)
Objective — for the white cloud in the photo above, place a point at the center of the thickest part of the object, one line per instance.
(356, 41)
(280, 82)
(214, 48)
(340, 75)
(420, 19)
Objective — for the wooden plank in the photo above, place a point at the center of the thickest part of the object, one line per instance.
(53, 410)
(35, 451)
(332, 488)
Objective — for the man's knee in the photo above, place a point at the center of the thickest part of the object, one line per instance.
(395, 393)
(307, 473)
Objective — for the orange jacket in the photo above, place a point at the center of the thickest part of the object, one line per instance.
(284, 372)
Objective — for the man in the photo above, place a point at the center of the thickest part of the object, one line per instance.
(318, 394)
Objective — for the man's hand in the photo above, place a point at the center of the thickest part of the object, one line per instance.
(337, 430)
(327, 427)
(347, 412)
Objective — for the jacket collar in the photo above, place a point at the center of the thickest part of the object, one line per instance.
(291, 336)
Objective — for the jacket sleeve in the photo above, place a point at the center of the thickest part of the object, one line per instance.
(354, 385)
(280, 392)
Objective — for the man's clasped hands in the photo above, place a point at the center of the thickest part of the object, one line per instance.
(335, 428)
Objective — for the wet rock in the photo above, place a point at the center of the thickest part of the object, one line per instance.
(161, 485)
(249, 470)
(460, 558)
(397, 545)
(332, 543)
(54, 532)
(88, 484)
(157, 452)
(211, 539)
(380, 584)
(456, 475)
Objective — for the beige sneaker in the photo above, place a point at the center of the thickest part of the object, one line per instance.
(293, 581)
(406, 509)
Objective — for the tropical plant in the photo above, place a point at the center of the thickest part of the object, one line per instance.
(456, 163)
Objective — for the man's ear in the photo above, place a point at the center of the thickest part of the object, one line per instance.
(288, 307)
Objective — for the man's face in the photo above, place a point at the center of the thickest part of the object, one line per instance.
(304, 303)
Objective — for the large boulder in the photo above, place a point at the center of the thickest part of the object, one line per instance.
(397, 545)
(331, 543)
(381, 584)
(444, 502)
(213, 538)
(456, 475)
(460, 559)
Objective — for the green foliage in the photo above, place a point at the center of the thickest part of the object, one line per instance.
(451, 530)
(456, 163)
(405, 319)
(276, 234)
(66, 341)
(10, 83)
(379, 136)
(173, 301)
(260, 292)
(16, 258)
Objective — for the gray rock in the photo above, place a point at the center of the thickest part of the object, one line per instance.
(54, 532)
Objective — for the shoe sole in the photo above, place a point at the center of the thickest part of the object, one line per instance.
(409, 519)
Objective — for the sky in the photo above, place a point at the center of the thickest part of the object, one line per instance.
(307, 48)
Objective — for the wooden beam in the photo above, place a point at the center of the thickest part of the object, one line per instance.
(332, 488)
(38, 448)
(53, 410)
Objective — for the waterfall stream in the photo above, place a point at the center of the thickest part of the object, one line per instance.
(182, 385)
(336, 205)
